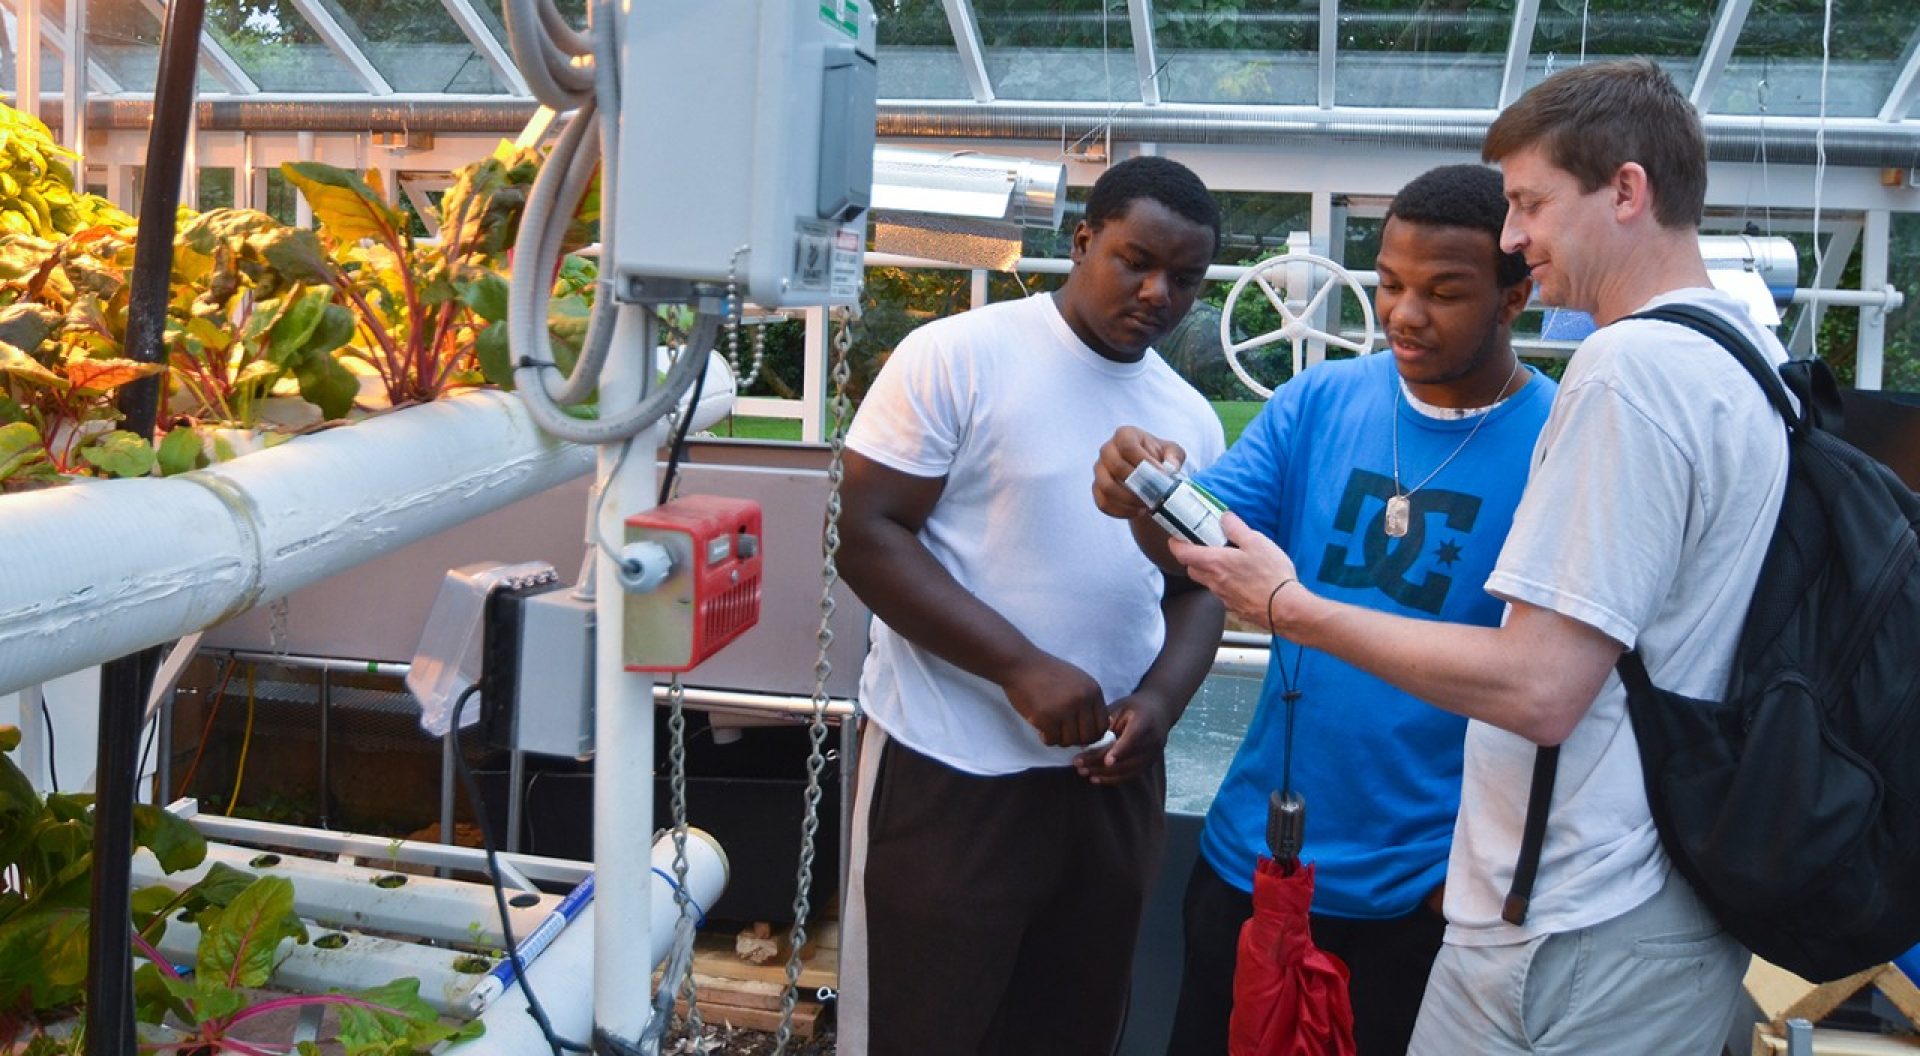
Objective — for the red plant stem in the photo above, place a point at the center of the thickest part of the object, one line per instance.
(302, 1000)
(159, 961)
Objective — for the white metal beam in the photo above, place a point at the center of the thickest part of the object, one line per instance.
(98, 79)
(1519, 51)
(489, 46)
(1842, 237)
(1871, 337)
(1719, 47)
(1146, 57)
(341, 43)
(1906, 87)
(966, 41)
(1329, 49)
(214, 58)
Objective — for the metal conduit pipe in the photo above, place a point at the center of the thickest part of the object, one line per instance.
(102, 568)
(1861, 142)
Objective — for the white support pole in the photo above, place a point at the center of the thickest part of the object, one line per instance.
(1873, 321)
(623, 716)
(1833, 261)
(813, 378)
(304, 148)
(977, 287)
(26, 58)
(73, 90)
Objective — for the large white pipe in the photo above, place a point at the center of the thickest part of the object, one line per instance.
(100, 569)
(564, 978)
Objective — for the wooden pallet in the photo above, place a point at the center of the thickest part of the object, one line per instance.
(1782, 995)
(740, 993)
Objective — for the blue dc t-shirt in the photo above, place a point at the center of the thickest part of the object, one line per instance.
(1380, 770)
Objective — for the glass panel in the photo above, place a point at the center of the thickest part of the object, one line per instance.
(49, 57)
(1901, 368)
(123, 37)
(1671, 32)
(917, 56)
(282, 199)
(215, 189)
(1070, 50)
(416, 45)
(1775, 67)
(277, 47)
(1393, 55)
(1268, 55)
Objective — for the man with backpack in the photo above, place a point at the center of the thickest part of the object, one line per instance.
(1650, 505)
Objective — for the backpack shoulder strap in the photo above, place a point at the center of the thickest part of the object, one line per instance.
(1546, 766)
(1713, 326)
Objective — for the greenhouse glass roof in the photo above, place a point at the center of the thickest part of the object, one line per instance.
(1739, 58)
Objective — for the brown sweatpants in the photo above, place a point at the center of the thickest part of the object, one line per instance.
(992, 915)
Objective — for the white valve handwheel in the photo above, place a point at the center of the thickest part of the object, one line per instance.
(1296, 312)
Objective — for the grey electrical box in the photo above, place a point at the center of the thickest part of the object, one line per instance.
(553, 692)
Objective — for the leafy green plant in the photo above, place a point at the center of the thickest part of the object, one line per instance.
(46, 860)
(46, 865)
(240, 936)
(37, 193)
(238, 327)
(65, 392)
(421, 310)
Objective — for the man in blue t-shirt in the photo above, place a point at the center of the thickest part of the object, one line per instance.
(1394, 479)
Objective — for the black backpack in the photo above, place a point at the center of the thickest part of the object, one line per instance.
(1793, 806)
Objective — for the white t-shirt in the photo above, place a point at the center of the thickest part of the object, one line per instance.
(1011, 408)
(1649, 507)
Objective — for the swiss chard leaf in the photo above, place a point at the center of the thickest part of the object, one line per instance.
(175, 843)
(239, 945)
(349, 207)
(120, 453)
(180, 452)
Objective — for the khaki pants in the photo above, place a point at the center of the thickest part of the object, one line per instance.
(1661, 979)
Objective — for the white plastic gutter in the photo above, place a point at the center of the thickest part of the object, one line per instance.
(102, 568)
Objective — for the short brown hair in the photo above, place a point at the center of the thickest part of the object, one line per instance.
(1592, 119)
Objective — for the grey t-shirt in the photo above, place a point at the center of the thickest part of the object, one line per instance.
(1652, 496)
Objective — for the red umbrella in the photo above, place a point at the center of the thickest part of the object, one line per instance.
(1289, 996)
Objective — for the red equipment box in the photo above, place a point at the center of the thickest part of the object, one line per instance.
(711, 596)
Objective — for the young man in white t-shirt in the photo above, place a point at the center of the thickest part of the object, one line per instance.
(1650, 503)
(1027, 659)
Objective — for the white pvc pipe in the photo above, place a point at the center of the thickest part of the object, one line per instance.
(100, 569)
(623, 714)
(564, 979)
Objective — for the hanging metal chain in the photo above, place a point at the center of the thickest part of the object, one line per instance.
(677, 757)
(839, 410)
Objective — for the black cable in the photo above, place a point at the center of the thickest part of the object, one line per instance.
(53, 754)
(686, 423)
(554, 1041)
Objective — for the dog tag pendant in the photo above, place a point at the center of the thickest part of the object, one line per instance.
(1399, 512)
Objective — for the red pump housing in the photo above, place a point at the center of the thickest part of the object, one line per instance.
(712, 593)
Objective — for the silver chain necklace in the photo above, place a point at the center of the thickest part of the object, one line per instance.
(1400, 506)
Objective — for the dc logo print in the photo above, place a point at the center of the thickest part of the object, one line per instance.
(1384, 562)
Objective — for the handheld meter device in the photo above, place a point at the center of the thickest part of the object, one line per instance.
(1185, 509)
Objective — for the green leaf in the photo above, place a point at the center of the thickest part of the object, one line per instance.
(218, 887)
(496, 359)
(175, 843)
(180, 452)
(153, 999)
(22, 457)
(121, 454)
(9, 738)
(290, 333)
(296, 253)
(45, 951)
(336, 328)
(328, 385)
(346, 205)
(27, 325)
(487, 296)
(238, 947)
(19, 365)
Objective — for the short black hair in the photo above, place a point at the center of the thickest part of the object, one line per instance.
(1468, 196)
(1162, 179)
